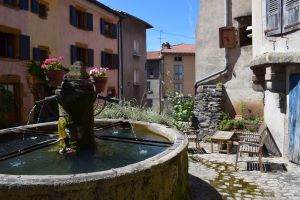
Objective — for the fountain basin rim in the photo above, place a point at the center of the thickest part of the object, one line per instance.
(179, 144)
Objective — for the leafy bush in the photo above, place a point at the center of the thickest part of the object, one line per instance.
(227, 123)
(183, 107)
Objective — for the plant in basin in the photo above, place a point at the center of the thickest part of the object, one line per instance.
(98, 75)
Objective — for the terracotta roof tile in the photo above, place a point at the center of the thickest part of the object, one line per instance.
(180, 48)
(153, 55)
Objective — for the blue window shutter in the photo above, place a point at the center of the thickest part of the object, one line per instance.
(8, 2)
(73, 16)
(73, 54)
(24, 47)
(102, 26)
(90, 57)
(89, 18)
(274, 14)
(37, 54)
(34, 6)
(23, 4)
(115, 64)
(103, 59)
(114, 31)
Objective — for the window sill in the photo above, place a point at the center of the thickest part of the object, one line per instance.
(10, 59)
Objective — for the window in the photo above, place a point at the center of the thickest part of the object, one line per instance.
(14, 46)
(40, 54)
(245, 30)
(149, 91)
(22, 4)
(178, 87)
(83, 54)
(108, 29)
(39, 8)
(109, 60)
(178, 58)
(282, 16)
(81, 19)
(136, 76)
(178, 72)
(149, 103)
(135, 47)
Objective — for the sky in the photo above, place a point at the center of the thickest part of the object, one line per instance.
(175, 18)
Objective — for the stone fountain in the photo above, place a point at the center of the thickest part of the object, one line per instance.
(140, 161)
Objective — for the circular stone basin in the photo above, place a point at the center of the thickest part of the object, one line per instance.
(143, 172)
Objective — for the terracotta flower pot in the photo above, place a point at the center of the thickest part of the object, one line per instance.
(55, 77)
(100, 83)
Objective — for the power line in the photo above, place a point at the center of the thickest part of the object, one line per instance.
(174, 34)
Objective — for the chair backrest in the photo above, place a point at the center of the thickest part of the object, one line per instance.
(263, 136)
(262, 128)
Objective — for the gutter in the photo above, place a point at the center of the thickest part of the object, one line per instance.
(121, 68)
(225, 68)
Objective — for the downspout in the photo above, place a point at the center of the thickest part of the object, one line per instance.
(226, 22)
(121, 68)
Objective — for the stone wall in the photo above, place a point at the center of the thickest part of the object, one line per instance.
(208, 108)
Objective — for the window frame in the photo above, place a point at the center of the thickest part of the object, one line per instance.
(177, 75)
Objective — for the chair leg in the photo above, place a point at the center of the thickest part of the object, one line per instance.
(237, 156)
(211, 147)
(260, 161)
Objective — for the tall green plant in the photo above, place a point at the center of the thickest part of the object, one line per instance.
(183, 107)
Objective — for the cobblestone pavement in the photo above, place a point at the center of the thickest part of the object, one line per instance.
(213, 176)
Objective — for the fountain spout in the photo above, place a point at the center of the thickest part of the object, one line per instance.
(46, 100)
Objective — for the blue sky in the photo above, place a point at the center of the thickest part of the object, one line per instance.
(176, 18)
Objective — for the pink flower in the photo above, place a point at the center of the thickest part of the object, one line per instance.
(61, 58)
(43, 66)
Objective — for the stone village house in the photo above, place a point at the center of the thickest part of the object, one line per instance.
(87, 31)
(266, 70)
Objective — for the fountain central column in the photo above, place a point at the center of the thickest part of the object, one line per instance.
(76, 99)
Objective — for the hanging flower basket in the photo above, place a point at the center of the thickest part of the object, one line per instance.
(55, 77)
(100, 84)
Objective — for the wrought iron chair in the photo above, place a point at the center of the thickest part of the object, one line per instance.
(252, 143)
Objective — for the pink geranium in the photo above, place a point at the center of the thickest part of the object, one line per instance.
(97, 72)
(53, 63)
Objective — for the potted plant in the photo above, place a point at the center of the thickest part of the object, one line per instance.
(54, 71)
(98, 75)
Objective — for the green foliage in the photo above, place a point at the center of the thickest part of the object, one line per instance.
(36, 70)
(131, 111)
(183, 107)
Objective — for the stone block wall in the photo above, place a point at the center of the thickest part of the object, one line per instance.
(208, 108)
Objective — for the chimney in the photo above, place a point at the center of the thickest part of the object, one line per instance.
(166, 45)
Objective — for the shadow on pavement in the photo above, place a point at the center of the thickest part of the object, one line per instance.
(201, 190)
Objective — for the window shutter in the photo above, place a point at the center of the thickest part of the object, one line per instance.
(37, 54)
(103, 59)
(273, 17)
(8, 2)
(23, 4)
(73, 54)
(90, 57)
(73, 16)
(291, 15)
(115, 64)
(89, 18)
(34, 6)
(24, 47)
(102, 26)
(114, 31)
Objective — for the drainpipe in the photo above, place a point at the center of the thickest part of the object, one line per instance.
(226, 22)
(121, 70)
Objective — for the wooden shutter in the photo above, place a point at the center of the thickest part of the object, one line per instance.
(23, 4)
(90, 57)
(89, 18)
(291, 20)
(273, 13)
(34, 6)
(24, 47)
(37, 54)
(73, 54)
(103, 59)
(102, 26)
(115, 64)
(114, 31)
(73, 16)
